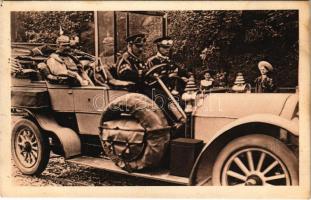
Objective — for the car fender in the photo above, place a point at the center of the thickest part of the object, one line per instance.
(68, 138)
(289, 125)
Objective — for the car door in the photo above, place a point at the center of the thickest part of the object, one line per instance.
(89, 103)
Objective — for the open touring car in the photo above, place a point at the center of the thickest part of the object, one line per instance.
(220, 138)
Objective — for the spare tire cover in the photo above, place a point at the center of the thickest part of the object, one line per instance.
(150, 117)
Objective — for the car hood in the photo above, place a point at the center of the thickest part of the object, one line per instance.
(233, 105)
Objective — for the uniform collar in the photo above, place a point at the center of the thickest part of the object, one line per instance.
(161, 56)
(131, 54)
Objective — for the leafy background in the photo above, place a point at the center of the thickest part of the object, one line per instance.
(235, 41)
(44, 27)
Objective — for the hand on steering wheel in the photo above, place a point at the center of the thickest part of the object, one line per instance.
(155, 71)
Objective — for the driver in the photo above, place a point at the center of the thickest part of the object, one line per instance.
(129, 65)
(172, 82)
(164, 45)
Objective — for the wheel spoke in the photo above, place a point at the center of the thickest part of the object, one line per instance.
(29, 134)
(34, 156)
(239, 184)
(250, 160)
(241, 165)
(236, 175)
(21, 145)
(23, 152)
(26, 157)
(260, 162)
(33, 139)
(271, 166)
(30, 157)
(280, 176)
(34, 148)
(34, 144)
(24, 134)
(22, 138)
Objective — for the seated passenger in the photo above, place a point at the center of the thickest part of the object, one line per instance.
(63, 63)
(46, 74)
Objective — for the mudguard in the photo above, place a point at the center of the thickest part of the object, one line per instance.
(68, 138)
(289, 125)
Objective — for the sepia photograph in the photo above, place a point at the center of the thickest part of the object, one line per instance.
(156, 97)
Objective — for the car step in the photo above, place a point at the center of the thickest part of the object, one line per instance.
(108, 165)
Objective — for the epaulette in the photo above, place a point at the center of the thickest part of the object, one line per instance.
(125, 58)
(151, 58)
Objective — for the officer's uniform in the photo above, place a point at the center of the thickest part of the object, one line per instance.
(128, 65)
(164, 101)
(159, 58)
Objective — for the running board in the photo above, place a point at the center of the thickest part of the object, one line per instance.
(108, 165)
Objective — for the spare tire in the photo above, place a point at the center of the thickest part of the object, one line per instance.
(139, 108)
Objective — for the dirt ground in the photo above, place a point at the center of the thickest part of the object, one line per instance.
(61, 173)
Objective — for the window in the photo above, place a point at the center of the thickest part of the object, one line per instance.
(106, 36)
(115, 26)
(148, 24)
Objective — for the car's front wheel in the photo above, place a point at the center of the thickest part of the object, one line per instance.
(30, 148)
(255, 160)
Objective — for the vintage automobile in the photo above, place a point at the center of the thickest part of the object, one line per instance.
(249, 139)
(217, 138)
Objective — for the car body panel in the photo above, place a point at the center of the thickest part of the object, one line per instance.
(88, 123)
(235, 105)
(89, 104)
(216, 111)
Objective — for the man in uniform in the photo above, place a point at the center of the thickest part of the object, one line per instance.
(173, 83)
(64, 63)
(164, 45)
(129, 65)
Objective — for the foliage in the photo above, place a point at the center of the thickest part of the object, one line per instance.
(235, 41)
(232, 41)
(44, 27)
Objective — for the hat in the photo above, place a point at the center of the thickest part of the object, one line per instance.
(239, 79)
(165, 41)
(191, 86)
(265, 64)
(63, 39)
(136, 39)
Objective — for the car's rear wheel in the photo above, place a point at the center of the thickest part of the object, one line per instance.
(30, 148)
(255, 160)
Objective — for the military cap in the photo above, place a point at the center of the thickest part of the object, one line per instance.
(138, 39)
(266, 65)
(165, 41)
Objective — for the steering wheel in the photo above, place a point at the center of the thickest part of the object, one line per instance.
(155, 71)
